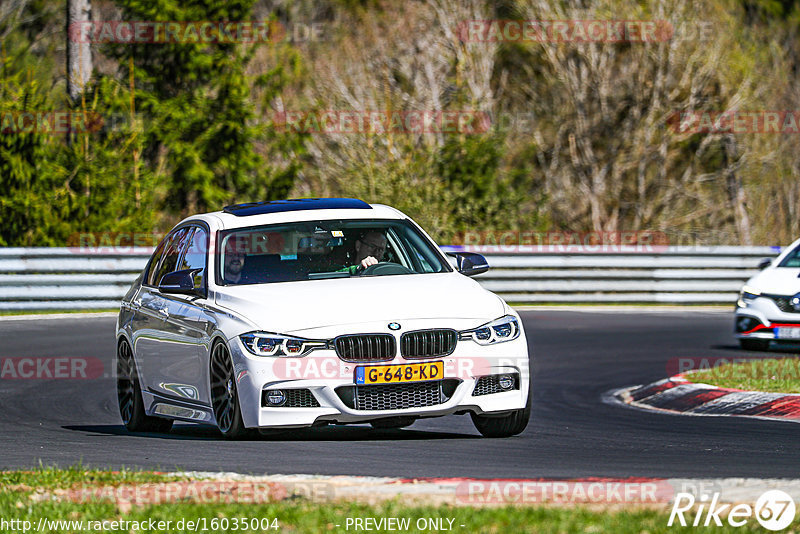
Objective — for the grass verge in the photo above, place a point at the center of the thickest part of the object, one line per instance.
(774, 375)
(22, 505)
(51, 477)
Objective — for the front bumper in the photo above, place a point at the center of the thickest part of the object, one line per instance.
(759, 317)
(331, 380)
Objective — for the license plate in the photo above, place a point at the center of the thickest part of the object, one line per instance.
(395, 374)
(787, 332)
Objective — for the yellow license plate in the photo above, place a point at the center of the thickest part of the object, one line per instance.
(395, 374)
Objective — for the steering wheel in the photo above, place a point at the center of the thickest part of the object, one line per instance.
(384, 268)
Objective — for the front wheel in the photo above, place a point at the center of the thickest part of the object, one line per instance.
(129, 396)
(504, 426)
(225, 396)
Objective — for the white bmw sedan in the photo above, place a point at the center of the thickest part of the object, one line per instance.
(768, 308)
(301, 313)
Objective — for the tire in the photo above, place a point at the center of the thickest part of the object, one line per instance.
(129, 396)
(392, 422)
(504, 426)
(754, 344)
(225, 396)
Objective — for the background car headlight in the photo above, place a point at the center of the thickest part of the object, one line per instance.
(747, 294)
(267, 344)
(503, 329)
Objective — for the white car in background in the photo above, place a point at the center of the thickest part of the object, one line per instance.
(768, 308)
(260, 316)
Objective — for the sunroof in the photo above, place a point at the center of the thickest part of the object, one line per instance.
(296, 204)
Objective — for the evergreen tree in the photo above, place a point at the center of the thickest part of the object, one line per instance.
(197, 103)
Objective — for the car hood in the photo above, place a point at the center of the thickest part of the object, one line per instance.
(777, 281)
(288, 307)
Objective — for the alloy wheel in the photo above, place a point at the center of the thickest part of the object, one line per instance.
(223, 388)
(126, 374)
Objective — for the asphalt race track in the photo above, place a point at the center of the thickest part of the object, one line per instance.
(578, 356)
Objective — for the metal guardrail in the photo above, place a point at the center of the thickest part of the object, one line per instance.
(64, 278)
(671, 275)
(67, 278)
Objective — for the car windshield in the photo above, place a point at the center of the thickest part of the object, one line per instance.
(313, 250)
(792, 259)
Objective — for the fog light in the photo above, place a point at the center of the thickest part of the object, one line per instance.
(506, 382)
(276, 397)
(744, 323)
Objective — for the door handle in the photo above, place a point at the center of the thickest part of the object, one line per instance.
(164, 312)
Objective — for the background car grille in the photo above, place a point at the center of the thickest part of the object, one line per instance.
(398, 396)
(782, 302)
(486, 385)
(366, 347)
(428, 343)
(295, 398)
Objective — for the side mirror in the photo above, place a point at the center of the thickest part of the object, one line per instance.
(763, 264)
(470, 263)
(180, 283)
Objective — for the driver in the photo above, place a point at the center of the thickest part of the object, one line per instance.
(369, 250)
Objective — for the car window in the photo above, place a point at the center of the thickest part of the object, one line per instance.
(315, 250)
(194, 256)
(152, 266)
(792, 259)
(169, 263)
(424, 259)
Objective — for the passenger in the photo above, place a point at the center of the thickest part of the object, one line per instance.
(234, 261)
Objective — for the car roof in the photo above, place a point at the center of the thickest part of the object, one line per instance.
(295, 204)
(295, 210)
(788, 250)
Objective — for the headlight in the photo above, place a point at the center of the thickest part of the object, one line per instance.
(277, 345)
(503, 329)
(747, 294)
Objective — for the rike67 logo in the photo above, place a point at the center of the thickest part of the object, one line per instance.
(774, 510)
